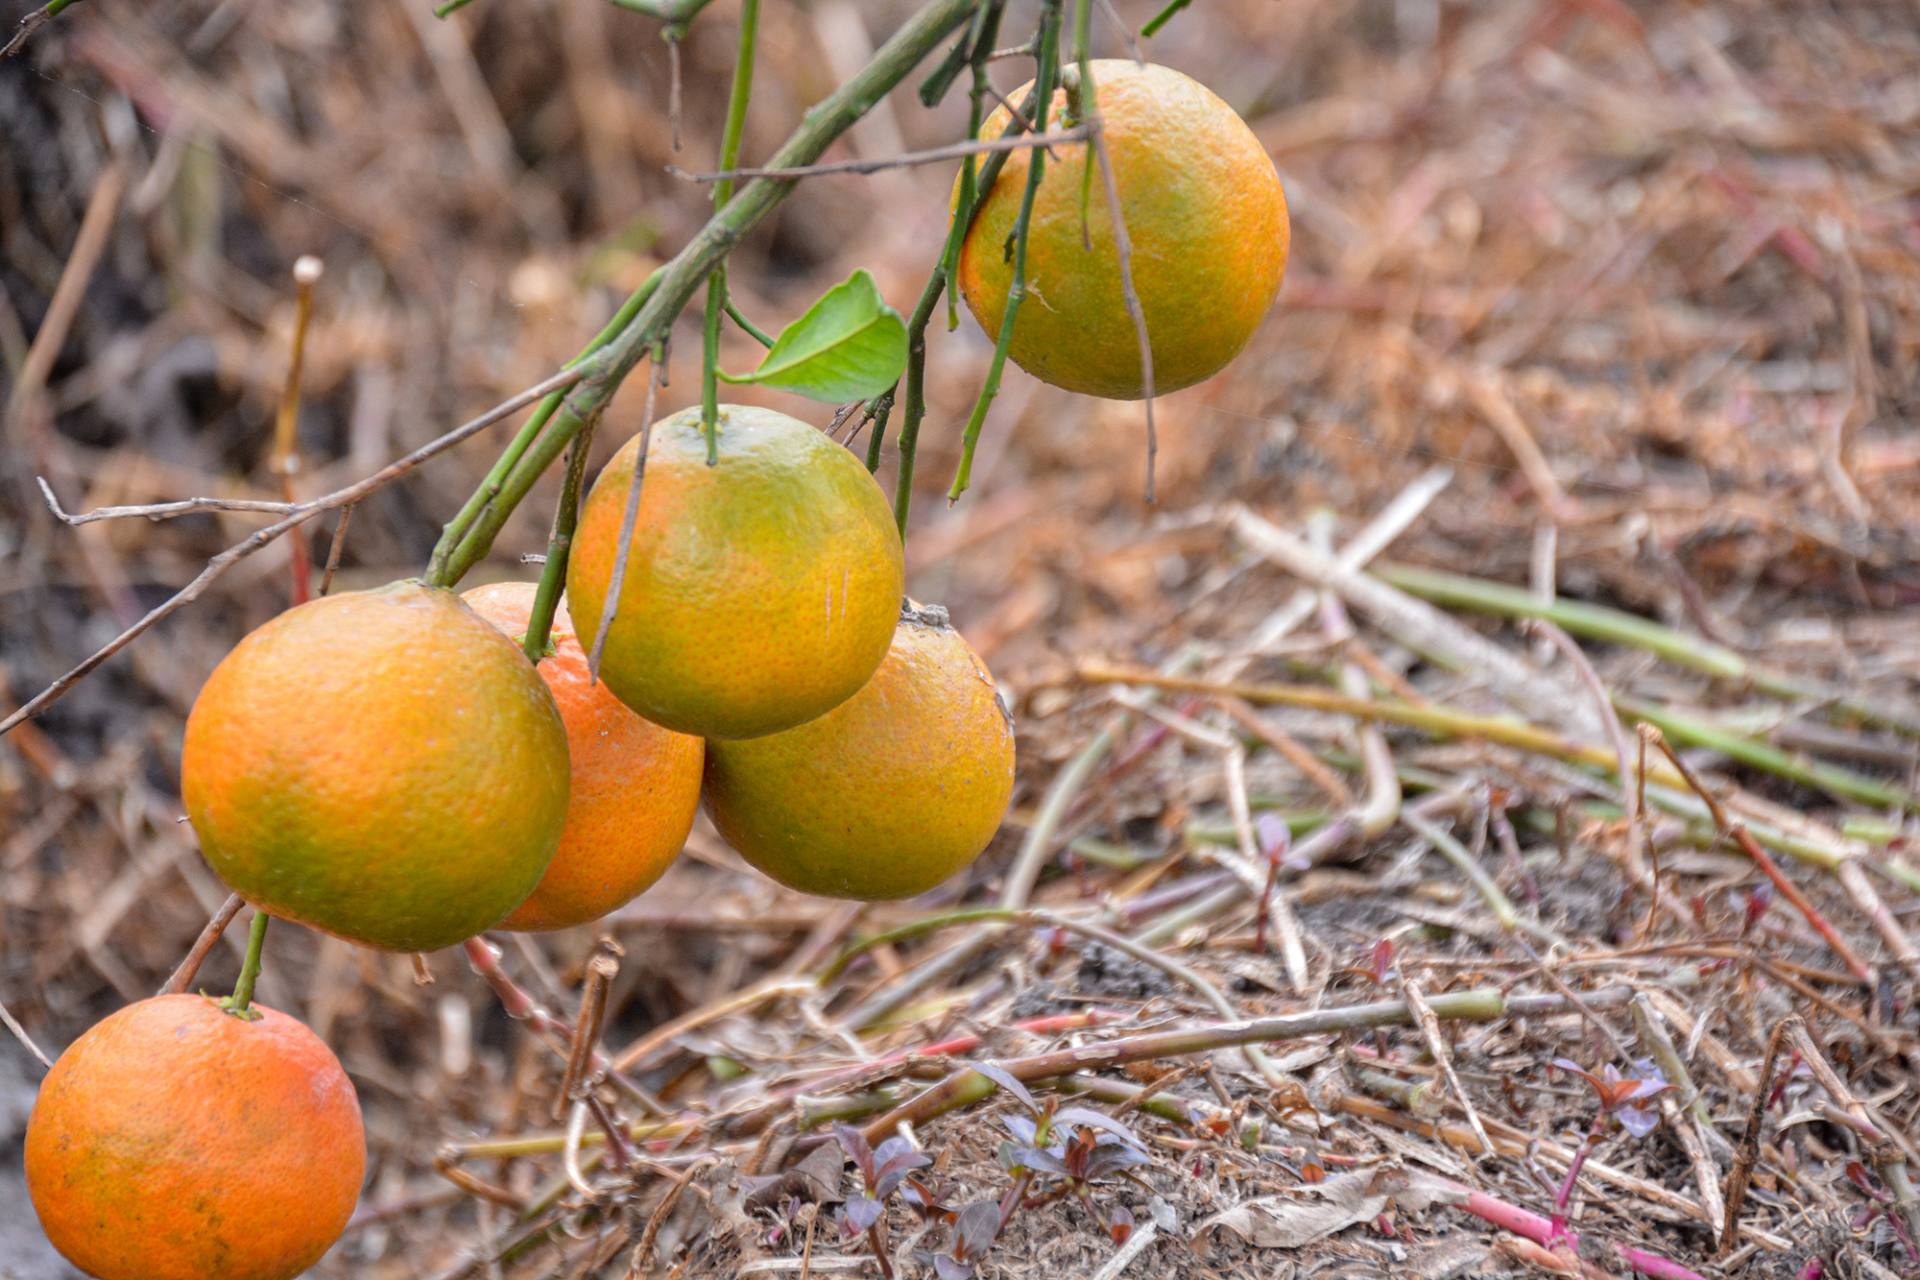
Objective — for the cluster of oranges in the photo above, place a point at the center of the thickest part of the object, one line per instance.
(388, 767)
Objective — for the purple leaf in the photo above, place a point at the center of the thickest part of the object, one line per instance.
(950, 1269)
(1119, 1224)
(1274, 836)
(974, 1230)
(1113, 1158)
(1638, 1122)
(896, 1145)
(1022, 1128)
(1042, 1160)
(888, 1175)
(1092, 1119)
(1004, 1078)
(860, 1214)
(854, 1143)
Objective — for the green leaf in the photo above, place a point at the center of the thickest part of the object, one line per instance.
(850, 345)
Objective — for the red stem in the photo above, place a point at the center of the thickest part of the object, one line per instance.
(1541, 1231)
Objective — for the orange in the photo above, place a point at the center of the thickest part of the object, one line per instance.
(889, 793)
(382, 765)
(176, 1141)
(759, 593)
(1204, 213)
(635, 789)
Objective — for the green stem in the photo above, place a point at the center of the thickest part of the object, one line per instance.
(751, 329)
(673, 286)
(710, 363)
(912, 929)
(1016, 291)
(986, 29)
(237, 1004)
(1760, 755)
(1163, 17)
(553, 574)
(1463, 860)
(723, 192)
(1616, 626)
(879, 411)
(490, 488)
(1082, 101)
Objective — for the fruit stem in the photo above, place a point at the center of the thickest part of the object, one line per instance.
(1044, 78)
(538, 642)
(723, 192)
(986, 29)
(237, 1004)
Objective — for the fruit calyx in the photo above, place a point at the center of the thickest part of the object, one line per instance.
(933, 616)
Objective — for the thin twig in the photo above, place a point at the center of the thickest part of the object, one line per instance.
(88, 246)
(1737, 831)
(1437, 1047)
(1123, 251)
(20, 1034)
(1747, 1155)
(966, 1085)
(159, 510)
(182, 977)
(337, 546)
(293, 520)
(600, 972)
(1603, 705)
(905, 160)
(628, 518)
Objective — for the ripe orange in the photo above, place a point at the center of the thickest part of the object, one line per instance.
(635, 790)
(383, 765)
(759, 593)
(176, 1141)
(887, 794)
(1204, 213)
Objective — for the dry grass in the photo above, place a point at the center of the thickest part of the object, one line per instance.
(1643, 277)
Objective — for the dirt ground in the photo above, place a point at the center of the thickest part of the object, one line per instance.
(1615, 305)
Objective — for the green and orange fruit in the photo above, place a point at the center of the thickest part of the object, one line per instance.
(382, 765)
(177, 1141)
(636, 786)
(1205, 216)
(889, 793)
(758, 593)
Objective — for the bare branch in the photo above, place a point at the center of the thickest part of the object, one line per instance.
(628, 518)
(293, 520)
(157, 511)
(933, 155)
(182, 978)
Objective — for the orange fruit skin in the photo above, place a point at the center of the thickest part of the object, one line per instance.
(759, 593)
(1204, 213)
(635, 789)
(887, 794)
(175, 1141)
(381, 765)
